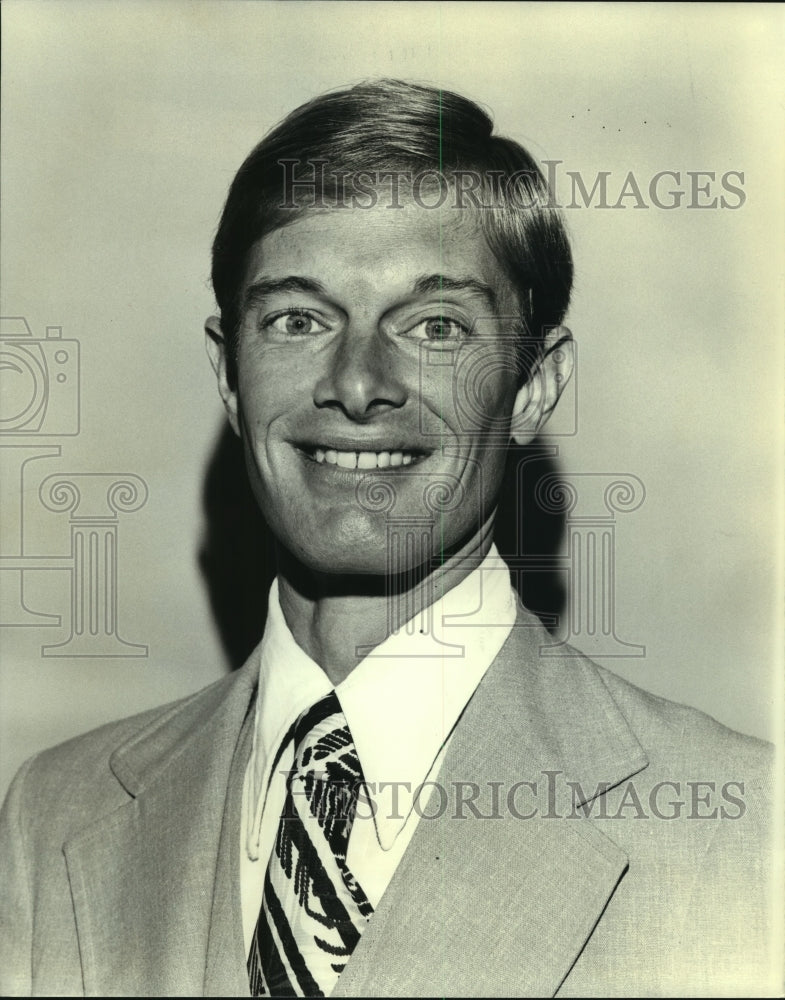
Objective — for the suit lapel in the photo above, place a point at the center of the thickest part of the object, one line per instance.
(503, 907)
(226, 974)
(142, 878)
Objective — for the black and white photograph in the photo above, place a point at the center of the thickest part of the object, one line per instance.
(391, 554)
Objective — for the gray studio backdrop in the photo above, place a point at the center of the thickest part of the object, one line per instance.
(122, 127)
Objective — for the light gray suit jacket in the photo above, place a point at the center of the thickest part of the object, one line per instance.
(120, 851)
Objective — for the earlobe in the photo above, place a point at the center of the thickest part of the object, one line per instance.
(215, 343)
(537, 399)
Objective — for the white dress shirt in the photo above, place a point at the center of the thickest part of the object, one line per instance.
(401, 703)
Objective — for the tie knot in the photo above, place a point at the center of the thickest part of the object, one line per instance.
(323, 745)
(326, 768)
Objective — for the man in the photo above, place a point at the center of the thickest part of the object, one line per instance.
(398, 795)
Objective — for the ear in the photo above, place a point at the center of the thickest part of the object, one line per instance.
(215, 342)
(537, 399)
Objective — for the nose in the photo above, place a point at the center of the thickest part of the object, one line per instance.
(361, 378)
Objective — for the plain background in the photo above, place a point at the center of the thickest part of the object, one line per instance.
(123, 124)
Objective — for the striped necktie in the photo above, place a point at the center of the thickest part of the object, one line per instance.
(313, 910)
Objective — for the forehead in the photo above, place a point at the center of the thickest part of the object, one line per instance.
(380, 247)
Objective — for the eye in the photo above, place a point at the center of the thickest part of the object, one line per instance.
(294, 323)
(439, 328)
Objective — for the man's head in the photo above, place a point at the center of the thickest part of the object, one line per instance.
(329, 152)
(391, 279)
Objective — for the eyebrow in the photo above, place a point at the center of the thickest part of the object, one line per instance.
(265, 287)
(424, 285)
(441, 283)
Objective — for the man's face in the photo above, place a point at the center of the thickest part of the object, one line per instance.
(375, 383)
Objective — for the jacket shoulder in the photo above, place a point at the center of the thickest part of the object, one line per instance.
(673, 732)
(59, 788)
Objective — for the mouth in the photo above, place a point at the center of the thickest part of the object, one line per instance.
(363, 461)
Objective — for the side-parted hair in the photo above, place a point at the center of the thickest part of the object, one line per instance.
(331, 148)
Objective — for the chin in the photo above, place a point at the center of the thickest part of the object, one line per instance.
(333, 554)
(331, 564)
(362, 553)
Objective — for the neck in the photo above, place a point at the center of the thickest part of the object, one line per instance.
(337, 620)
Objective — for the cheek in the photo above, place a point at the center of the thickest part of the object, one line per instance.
(257, 412)
(482, 479)
(473, 391)
(484, 411)
(268, 386)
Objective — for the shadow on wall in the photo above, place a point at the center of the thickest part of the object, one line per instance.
(237, 556)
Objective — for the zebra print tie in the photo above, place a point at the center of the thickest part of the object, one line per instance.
(313, 909)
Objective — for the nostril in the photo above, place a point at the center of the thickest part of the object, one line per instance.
(361, 380)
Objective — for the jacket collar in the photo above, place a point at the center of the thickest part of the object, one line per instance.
(178, 732)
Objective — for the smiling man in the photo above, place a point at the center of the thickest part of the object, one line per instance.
(334, 389)
(399, 794)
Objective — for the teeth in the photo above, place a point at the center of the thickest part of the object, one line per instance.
(362, 459)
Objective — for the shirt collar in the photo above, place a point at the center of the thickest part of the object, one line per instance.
(401, 701)
(289, 682)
